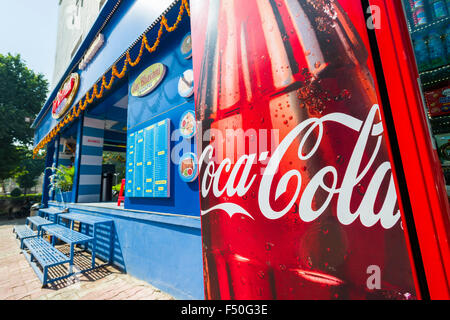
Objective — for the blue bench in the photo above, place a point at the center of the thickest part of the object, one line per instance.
(68, 236)
(51, 213)
(90, 221)
(38, 222)
(23, 232)
(46, 255)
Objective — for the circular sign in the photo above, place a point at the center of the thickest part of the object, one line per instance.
(186, 46)
(148, 80)
(188, 168)
(186, 84)
(65, 96)
(188, 126)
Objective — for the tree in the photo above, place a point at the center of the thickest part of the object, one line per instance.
(29, 170)
(22, 94)
(10, 156)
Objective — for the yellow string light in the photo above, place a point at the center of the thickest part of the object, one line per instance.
(80, 106)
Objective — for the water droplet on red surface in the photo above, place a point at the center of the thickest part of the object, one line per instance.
(360, 189)
(346, 94)
(261, 274)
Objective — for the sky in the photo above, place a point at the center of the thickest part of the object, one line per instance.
(28, 27)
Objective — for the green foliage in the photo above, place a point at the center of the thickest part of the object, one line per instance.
(22, 94)
(117, 187)
(33, 197)
(16, 192)
(62, 178)
(29, 170)
(10, 157)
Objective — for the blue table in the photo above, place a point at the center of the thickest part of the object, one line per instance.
(89, 220)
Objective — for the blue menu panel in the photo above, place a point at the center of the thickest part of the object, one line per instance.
(161, 168)
(129, 177)
(148, 167)
(149, 161)
(139, 165)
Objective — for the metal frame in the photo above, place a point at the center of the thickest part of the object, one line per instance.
(423, 198)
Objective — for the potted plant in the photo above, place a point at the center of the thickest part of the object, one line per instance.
(61, 181)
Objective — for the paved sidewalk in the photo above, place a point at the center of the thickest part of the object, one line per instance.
(18, 280)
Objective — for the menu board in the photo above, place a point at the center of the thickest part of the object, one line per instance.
(148, 168)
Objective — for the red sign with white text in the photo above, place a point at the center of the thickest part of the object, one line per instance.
(298, 199)
(65, 96)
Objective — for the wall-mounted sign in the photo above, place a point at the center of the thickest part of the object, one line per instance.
(92, 51)
(65, 96)
(148, 80)
(188, 126)
(188, 168)
(148, 166)
(186, 46)
(186, 84)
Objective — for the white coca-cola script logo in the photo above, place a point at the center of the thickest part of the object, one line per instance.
(387, 216)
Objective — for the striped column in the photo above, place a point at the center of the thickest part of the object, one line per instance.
(91, 160)
(63, 158)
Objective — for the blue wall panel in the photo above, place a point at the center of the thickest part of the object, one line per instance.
(165, 102)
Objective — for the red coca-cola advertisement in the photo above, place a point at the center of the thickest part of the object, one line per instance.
(298, 197)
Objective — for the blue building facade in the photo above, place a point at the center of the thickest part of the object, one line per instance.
(139, 113)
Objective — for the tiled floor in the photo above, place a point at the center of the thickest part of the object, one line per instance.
(18, 280)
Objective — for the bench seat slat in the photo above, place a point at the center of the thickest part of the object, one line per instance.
(24, 231)
(66, 234)
(39, 221)
(45, 253)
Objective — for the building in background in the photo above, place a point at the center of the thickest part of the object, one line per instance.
(75, 19)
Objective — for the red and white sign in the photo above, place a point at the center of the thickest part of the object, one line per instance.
(317, 216)
(65, 96)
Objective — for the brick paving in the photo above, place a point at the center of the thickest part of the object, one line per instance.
(19, 282)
